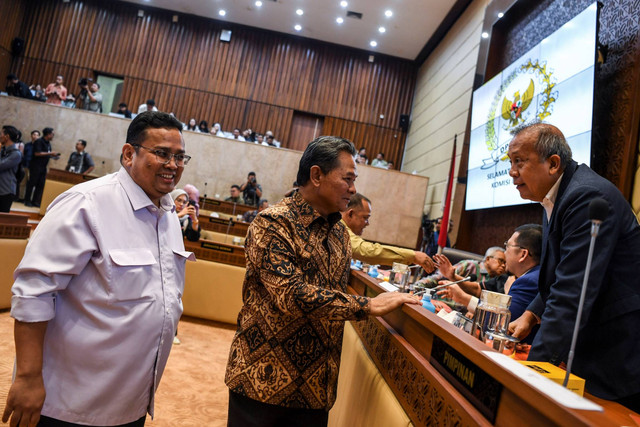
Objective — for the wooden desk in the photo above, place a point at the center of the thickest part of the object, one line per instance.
(14, 226)
(412, 348)
(217, 252)
(230, 208)
(222, 225)
(68, 177)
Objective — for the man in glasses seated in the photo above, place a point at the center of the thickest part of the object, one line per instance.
(489, 272)
(97, 296)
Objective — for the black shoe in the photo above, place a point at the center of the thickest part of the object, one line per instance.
(28, 204)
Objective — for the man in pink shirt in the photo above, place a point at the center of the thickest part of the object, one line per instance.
(97, 296)
(56, 92)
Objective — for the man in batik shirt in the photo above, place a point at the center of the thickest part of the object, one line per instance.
(284, 359)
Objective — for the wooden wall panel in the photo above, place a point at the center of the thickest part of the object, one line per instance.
(188, 70)
(374, 138)
(12, 13)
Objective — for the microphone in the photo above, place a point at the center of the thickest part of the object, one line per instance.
(598, 210)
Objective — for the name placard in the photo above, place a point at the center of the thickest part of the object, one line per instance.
(482, 390)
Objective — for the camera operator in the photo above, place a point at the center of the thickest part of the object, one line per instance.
(251, 190)
(89, 97)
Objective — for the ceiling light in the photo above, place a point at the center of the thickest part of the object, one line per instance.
(298, 27)
(388, 13)
(500, 15)
(258, 3)
(381, 29)
(299, 12)
(339, 20)
(344, 3)
(222, 12)
(485, 35)
(373, 43)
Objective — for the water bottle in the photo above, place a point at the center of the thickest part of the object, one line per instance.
(373, 271)
(426, 303)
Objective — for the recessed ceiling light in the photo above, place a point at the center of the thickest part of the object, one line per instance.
(388, 13)
(300, 12)
(344, 3)
(485, 35)
(500, 15)
(373, 43)
(258, 3)
(381, 29)
(298, 27)
(222, 12)
(339, 20)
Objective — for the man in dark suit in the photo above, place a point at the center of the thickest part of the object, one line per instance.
(608, 345)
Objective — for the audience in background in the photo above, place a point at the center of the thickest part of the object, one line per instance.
(38, 167)
(150, 105)
(27, 155)
(192, 126)
(251, 215)
(379, 161)
(194, 196)
(248, 135)
(80, 161)
(235, 194)
(390, 165)
(187, 215)
(124, 110)
(56, 92)
(216, 131)
(10, 159)
(90, 98)
(251, 190)
(203, 126)
(236, 135)
(430, 238)
(70, 102)
(17, 88)
(361, 157)
(271, 139)
(38, 93)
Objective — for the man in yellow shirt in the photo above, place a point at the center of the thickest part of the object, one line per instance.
(356, 218)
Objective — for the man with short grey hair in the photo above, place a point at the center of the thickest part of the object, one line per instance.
(543, 171)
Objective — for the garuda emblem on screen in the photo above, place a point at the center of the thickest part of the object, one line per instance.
(516, 105)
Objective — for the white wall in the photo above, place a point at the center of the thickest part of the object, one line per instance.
(441, 105)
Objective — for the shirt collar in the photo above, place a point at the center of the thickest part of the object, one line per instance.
(550, 199)
(308, 214)
(138, 198)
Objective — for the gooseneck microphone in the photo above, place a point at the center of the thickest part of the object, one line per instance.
(598, 210)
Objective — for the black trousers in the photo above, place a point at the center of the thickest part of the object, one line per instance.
(37, 178)
(52, 422)
(245, 412)
(5, 202)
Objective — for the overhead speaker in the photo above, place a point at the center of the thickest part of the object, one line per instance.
(404, 122)
(17, 46)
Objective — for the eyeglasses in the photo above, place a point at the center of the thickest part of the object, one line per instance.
(507, 244)
(164, 157)
(500, 260)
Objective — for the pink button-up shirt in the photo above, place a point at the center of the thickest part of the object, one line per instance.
(105, 267)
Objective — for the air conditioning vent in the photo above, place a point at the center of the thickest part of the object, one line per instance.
(354, 15)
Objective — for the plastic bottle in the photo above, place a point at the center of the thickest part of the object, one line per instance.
(426, 303)
(373, 271)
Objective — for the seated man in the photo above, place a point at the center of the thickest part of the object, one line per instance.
(522, 252)
(356, 218)
(492, 265)
(235, 194)
(250, 215)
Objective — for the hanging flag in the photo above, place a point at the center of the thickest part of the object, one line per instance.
(442, 238)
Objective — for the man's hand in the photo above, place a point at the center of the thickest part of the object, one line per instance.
(453, 292)
(521, 327)
(25, 400)
(424, 261)
(388, 301)
(445, 267)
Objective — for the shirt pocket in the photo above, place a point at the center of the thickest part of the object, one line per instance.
(133, 275)
(180, 259)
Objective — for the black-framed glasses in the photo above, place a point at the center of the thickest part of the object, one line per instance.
(500, 260)
(507, 244)
(164, 157)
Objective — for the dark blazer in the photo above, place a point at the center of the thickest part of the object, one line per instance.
(608, 348)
